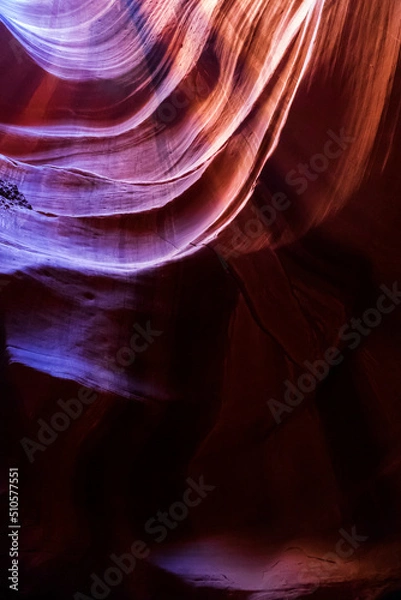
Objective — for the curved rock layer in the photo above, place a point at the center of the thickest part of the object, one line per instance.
(198, 200)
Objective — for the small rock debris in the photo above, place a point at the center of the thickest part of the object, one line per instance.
(10, 196)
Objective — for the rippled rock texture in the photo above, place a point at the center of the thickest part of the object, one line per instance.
(199, 296)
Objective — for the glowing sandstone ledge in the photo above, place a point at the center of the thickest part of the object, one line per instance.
(121, 183)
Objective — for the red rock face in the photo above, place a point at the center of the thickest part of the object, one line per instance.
(200, 298)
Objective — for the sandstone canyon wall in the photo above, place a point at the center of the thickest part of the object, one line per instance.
(199, 297)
